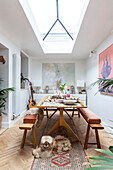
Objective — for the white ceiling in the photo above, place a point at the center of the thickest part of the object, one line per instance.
(2, 47)
(96, 26)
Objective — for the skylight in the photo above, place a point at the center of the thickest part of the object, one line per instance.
(70, 14)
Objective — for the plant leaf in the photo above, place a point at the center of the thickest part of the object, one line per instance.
(101, 163)
(106, 83)
(101, 158)
(105, 152)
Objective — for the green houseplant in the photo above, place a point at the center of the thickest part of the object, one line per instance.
(23, 80)
(3, 100)
(104, 162)
(104, 84)
(62, 87)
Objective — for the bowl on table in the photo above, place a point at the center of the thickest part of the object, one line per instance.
(60, 100)
(71, 102)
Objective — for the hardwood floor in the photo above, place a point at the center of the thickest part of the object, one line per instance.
(14, 158)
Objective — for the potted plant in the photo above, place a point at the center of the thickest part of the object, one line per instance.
(62, 87)
(3, 97)
(103, 162)
(104, 84)
(23, 80)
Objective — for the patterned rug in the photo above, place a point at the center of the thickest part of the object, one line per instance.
(71, 160)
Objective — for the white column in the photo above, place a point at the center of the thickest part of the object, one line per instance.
(16, 83)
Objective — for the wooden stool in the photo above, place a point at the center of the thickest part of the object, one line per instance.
(25, 127)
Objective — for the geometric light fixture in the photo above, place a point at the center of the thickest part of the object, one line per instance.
(57, 20)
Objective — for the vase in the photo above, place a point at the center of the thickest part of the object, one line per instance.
(62, 91)
(22, 85)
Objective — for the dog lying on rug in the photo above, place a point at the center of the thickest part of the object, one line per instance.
(50, 146)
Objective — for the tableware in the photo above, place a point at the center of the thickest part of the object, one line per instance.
(70, 101)
(67, 95)
(59, 100)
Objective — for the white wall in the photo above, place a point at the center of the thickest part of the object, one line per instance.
(36, 69)
(12, 51)
(24, 96)
(24, 65)
(99, 103)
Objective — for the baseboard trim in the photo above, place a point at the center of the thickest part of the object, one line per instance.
(11, 122)
(107, 129)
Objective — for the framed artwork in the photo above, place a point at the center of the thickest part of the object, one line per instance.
(55, 72)
(106, 67)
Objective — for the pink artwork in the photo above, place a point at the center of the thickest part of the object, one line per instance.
(106, 65)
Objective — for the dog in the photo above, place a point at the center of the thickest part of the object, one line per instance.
(61, 144)
(46, 148)
(50, 146)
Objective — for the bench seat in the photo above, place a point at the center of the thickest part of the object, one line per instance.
(28, 124)
(30, 118)
(93, 122)
(89, 116)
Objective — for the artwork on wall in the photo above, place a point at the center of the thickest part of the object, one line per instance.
(54, 72)
(106, 66)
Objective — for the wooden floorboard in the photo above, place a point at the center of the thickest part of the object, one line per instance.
(14, 158)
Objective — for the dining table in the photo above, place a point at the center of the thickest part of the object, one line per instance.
(49, 102)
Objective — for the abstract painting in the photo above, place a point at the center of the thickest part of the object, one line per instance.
(106, 66)
(53, 72)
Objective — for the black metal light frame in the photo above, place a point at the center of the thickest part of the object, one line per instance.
(57, 20)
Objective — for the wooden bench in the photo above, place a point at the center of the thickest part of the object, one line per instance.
(25, 127)
(29, 124)
(93, 122)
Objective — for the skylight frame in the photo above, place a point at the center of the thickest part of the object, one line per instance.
(57, 10)
(62, 46)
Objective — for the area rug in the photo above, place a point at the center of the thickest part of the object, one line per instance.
(71, 160)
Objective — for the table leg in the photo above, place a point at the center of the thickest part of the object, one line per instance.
(67, 113)
(61, 122)
(55, 126)
(47, 113)
(67, 126)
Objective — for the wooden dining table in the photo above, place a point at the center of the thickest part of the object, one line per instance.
(45, 103)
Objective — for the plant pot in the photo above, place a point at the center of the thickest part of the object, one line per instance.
(23, 85)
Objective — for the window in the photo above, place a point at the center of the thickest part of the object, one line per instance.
(69, 13)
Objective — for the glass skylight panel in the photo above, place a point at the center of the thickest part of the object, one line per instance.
(45, 14)
(42, 15)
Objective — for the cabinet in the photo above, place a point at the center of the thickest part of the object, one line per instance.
(82, 97)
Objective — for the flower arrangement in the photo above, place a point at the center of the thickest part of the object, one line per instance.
(24, 79)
